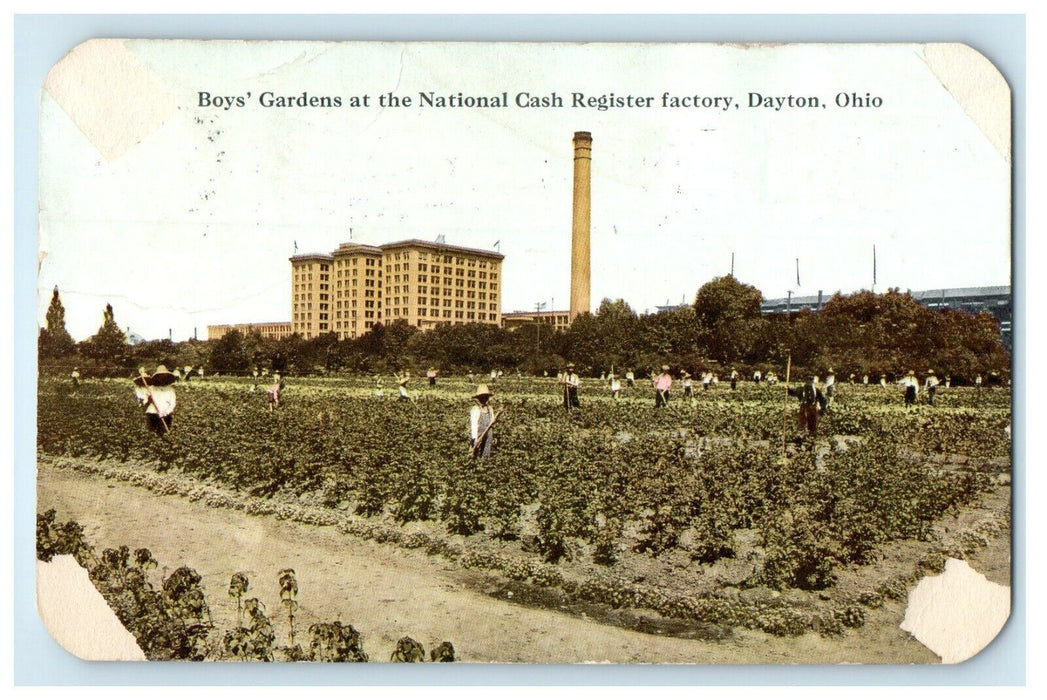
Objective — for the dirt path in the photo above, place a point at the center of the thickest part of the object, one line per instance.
(387, 592)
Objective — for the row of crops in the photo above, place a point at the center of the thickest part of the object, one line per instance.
(615, 476)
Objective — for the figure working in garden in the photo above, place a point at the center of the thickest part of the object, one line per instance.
(157, 395)
(75, 376)
(570, 384)
(734, 379)
(274, 391)
(662, 383)
(811, 398)
(431, 375)
(688, 386)
(830, 388)
(630, 379)
(911, 388)
(931, 384)
(401, 381)
(481, 420)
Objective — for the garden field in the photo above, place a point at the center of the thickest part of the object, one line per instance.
(700, 520)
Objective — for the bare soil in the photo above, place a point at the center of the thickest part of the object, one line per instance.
(387, 592)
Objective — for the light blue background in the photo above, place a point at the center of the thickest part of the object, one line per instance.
(40, 41)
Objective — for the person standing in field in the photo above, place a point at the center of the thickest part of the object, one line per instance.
(157, 395)
(734, 379)
(830, 388)
(757, 377)
(75, 377)
(481, 420)
(911, 388)
(630, 379)
(931, 385)
(431, 376)
(810, 397)
(401, 382)
(662, 383)
(570, 383)
(616, 386)
(688, 386)
(274, 391)
(883, 381)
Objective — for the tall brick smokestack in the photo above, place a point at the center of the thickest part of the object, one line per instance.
(583, 156)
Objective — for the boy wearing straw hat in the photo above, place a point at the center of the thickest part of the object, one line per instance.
(157, 394)
(931, 384)
(481, 420)
(911, 387)
(570, 384)
(688, 386)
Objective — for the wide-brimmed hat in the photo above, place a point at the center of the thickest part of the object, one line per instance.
(665, 368)
(162, 377)
(930, 371)
(482, 390)
(831, 371)
(570, 365)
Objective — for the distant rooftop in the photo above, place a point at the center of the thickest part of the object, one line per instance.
(948, 294)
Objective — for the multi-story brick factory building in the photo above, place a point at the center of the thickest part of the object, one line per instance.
(425, 284)
(277, 330)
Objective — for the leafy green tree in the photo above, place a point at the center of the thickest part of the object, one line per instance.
(728, 316)
(109, 344)
(229, 353)
(398, 335)
(54, 340)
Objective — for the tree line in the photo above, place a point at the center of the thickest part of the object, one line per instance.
(723, 329)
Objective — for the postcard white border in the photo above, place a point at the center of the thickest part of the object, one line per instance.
(39, 41)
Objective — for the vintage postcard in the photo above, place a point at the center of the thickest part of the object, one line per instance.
(531, 353)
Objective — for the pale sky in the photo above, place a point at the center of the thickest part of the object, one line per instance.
(183, 216)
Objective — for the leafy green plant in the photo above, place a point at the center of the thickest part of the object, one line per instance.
(289, 598)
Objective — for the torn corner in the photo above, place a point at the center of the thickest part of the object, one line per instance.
(113, 98)
(978, 87)
(78, 617)
(957, 613)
